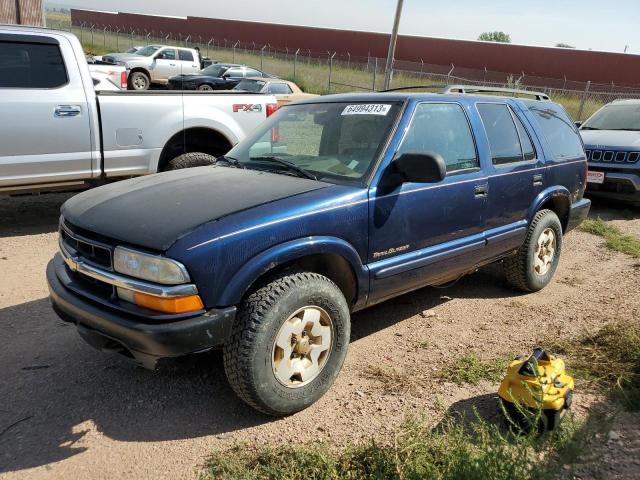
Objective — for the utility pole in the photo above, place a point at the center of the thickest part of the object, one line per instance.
(18, 17)
(392, 46)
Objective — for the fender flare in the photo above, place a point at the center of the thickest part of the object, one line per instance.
(286, 252)
(555, 193)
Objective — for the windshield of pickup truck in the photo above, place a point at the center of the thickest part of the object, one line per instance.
(147, 51)
(329, 141)
(615, 117)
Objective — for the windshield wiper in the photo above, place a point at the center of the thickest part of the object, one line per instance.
(233, 162)
(589, 128)
(290, 165)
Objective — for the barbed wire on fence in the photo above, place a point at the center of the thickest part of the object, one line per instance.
(332, 72)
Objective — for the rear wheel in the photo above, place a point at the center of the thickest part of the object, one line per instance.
(205, 88)
(139, 81)
(533, 267)
(288, 343)
(190, 160)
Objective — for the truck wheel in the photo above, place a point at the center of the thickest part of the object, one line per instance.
(190, 160)
(139, 81)
(533, 267)
(288, 343)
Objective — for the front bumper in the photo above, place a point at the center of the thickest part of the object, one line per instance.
(114, 331)
(618, 185)
(578, 213)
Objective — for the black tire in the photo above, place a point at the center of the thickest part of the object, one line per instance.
(139, 81)
(205, 88)
(190, 160)
(520, 268)
(248, 355)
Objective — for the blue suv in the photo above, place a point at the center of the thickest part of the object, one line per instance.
(331, 206)
(612, 141)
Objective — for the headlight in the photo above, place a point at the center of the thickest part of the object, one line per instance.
(149, 267)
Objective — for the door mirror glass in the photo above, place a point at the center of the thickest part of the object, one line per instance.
(424, 167)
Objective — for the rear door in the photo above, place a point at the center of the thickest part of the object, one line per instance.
(187, 62)
(165, 65)
(516, 175)
(45, 134)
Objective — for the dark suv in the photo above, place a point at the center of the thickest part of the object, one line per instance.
(331, 206)
(612, 139)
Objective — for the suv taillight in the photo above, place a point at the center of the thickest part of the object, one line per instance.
(124, 80)
(271, 109)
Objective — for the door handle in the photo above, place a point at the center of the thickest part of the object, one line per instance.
(538, 180)
(65, 111)
(481, 191)
(172, 64)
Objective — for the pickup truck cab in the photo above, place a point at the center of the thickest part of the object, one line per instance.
(612, 142)
(332, 205)
(59, 133)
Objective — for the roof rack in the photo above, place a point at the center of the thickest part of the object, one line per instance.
(464, 89)
(399, 89)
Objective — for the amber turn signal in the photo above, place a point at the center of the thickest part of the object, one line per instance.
(176, 305)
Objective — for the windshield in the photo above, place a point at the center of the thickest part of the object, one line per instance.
(214, 70)
(331, 141)
(253, 86)
(615, 117)
(147, 51)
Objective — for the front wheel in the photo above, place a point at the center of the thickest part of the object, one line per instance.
(535, 263)
(205, 88)
(288, 344)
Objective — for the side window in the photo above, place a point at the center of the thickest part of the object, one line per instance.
(253, 73)
(501, 132)
(185, 55)
(31, 65)
(558, 130)
(279, 89)
(167, 54)
(525, 140)
(442, 128)
(234, 73)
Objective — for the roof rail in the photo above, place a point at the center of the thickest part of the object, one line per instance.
(464, 89)
(399, 89)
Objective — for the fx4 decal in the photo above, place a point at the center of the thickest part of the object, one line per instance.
(239, 107)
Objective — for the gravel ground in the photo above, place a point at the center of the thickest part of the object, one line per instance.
(67, 411)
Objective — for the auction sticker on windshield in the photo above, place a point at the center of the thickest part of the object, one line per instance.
(367, 109)
(595, 177)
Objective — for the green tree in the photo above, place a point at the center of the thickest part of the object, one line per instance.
(495, 37)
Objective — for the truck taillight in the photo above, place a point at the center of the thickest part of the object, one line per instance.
(271, 109)
(124, 80)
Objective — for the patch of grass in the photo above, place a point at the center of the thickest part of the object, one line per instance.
(453, 450)
(394, 381)
(609, 359)
(471, 369)
(615, 239)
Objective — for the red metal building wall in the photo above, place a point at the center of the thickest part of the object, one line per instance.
(577, 65)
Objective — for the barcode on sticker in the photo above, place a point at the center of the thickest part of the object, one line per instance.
(367, 109)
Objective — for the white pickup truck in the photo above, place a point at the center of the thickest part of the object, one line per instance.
(57, 132)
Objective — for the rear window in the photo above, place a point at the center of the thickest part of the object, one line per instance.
(559, 131)
(31, 65)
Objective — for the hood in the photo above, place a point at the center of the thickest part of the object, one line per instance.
(121, 57)
(156, 210)
(613, 139)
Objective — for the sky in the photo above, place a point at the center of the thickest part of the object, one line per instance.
(587, 24)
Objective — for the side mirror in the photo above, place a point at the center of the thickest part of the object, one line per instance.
(578, 124)
(427, 167)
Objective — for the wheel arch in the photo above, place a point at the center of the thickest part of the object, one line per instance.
(556, 199)
(194, 139)
(332, 257)
(140, 69)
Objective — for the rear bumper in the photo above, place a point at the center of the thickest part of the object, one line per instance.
(578, 213)
(145, 343)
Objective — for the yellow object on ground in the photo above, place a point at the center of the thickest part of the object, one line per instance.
(537, 383)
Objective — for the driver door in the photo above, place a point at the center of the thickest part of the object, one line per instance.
(423, 234)
(166, 65)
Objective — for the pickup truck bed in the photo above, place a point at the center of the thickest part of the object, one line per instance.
(62, 133)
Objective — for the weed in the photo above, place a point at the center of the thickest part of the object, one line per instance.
(470, 369)
(615, 239)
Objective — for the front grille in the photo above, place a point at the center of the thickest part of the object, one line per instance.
(611, 156)
(92, 252)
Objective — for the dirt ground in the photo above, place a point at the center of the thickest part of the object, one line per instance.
(67, 411)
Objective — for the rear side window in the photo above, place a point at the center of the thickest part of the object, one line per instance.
(504, 140)
(234, 73)
(525, 140)
(185, 55)
(279, 89)
(31, 65)
(253, 73)
(559, 131)
(442, 128)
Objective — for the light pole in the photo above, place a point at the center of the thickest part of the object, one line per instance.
(392, 46)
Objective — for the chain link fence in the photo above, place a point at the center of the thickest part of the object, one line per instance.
(330, 72)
